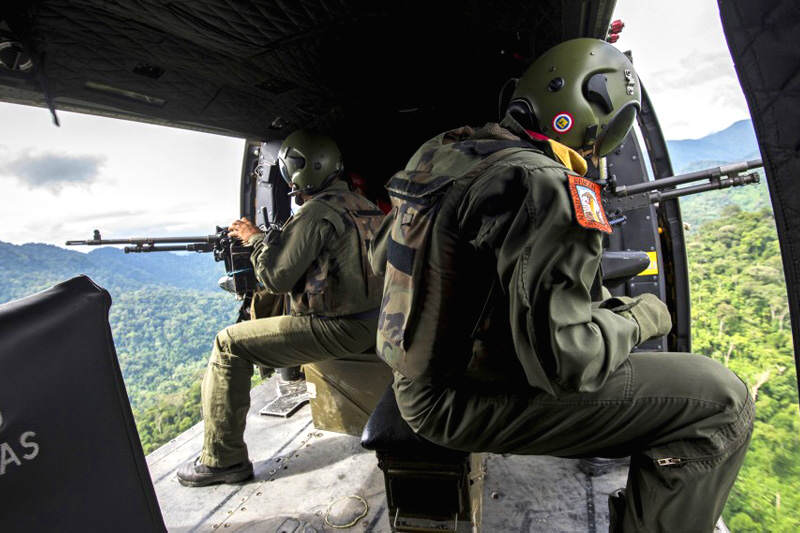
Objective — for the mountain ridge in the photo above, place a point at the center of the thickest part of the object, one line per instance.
(109, 267)
(737, 142)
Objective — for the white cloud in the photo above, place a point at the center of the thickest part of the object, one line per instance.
(153, 179)
(53, 171)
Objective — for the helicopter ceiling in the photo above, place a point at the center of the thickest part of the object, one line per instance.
(379, 76)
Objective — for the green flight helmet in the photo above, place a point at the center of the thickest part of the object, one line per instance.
(583, 93)
(309, 161)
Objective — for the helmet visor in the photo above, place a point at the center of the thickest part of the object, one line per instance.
(289, 165)
(284, 172)
(618, 127)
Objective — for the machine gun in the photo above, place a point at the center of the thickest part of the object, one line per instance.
(622, 198)
(239, 278)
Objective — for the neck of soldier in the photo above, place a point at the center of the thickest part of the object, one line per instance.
(569, 157)
(335, 184)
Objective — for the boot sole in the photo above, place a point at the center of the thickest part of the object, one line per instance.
(232, 477)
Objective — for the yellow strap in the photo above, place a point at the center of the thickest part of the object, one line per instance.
(569, 157)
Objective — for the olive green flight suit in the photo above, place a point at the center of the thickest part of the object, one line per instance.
(319, 260)
(536, 367)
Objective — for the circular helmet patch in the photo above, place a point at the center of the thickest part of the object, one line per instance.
(562, 122)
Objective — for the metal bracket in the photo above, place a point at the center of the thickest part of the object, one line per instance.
(423, 525)
(292, 395)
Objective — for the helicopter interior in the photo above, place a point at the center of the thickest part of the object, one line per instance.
(381, 78)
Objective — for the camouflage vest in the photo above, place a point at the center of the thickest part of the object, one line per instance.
(340, 281)
(416, 194)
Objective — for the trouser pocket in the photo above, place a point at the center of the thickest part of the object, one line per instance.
(707, 450)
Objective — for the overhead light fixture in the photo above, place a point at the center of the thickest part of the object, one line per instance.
(14, 58)
(126, 93)
(278, 123)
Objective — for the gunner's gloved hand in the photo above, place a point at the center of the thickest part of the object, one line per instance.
(648, 311)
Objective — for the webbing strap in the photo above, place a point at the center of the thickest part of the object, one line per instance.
(485, 163)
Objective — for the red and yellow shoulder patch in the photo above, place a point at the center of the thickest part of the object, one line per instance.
(588, 204)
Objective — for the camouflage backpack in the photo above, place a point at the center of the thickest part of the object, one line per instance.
(349, 210)
(416, 194)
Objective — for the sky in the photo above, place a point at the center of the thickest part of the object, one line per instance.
(124, 178)
(138, 180)
(680, 54)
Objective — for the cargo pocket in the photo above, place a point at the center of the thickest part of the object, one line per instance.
(416, 197)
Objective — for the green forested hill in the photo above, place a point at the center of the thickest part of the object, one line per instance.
(740, 316)
(734, 143)
(701, 208)
(45, 264)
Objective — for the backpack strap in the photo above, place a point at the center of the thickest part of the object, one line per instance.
(494, 157)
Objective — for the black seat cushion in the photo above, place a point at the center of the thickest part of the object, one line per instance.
(386, 431)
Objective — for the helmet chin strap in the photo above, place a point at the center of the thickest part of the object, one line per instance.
(590, 152)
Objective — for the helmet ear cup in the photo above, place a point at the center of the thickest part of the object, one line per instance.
(504, 98)
(522, 111)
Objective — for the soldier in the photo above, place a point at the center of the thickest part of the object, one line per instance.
(320, 259)
(532, 365)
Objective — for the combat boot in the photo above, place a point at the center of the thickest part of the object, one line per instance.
(195, 474)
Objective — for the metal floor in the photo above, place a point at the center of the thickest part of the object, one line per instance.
(303, 476)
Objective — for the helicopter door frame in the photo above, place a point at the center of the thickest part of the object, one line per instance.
(670, 226)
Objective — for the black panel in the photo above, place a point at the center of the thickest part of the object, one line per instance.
(263, 188)
(640, 231)
(71, 458)
(674, 265)
(762, 37)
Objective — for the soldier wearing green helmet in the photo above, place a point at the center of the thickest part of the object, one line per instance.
(487, 318)
(319, 259)
(582, 94)
(309, 162)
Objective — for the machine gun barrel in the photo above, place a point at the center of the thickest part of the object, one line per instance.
(97, 240)
(622, 198)
(732, 169)
(240, 277)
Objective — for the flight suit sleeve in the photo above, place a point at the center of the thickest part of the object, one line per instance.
(379, 245)
(550, 262)
(280, 265)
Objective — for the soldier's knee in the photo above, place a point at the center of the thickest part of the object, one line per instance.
(698, 379)
(223, 342)
(415, 399)
(724, 386)
(225, 352)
